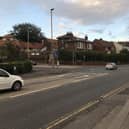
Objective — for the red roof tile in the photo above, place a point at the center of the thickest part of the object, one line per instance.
(23, 45)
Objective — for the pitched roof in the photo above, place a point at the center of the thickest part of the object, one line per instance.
(53, 43)
(52, 40)
(102, 45)
(20, 44)
(67, 35)
(23, 45)
(1, 43)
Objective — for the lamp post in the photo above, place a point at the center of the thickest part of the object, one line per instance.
(51, 12)
(28, 38)
(51, 56)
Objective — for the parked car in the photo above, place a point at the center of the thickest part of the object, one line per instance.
(111, 66)
(10, 81)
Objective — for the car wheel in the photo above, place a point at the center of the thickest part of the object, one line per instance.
(16, 86)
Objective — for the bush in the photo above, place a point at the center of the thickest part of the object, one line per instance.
(65, 55)
(17, 67)
(83, 56)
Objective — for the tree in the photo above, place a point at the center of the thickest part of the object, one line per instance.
(22, 31)
(124, 51)
(10, 52)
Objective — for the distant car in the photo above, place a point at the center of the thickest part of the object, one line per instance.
(111, 66)
(8, 81)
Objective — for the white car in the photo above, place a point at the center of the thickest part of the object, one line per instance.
(111, 66)
(10, 81)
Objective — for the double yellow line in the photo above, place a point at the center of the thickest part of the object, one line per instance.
(62, 119)
(67, 117)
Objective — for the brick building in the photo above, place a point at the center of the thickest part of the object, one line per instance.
(34, 48)
(103, 46)
(70, 42)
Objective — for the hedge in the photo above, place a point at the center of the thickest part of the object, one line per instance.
(17, 67)
(83, 56)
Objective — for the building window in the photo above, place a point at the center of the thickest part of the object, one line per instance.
(80, 45)
(89, 46)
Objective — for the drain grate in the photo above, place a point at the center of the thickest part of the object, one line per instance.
(125, 92)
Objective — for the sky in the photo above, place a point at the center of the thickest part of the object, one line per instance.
(106, 19)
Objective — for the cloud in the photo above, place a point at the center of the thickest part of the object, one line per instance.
(99, 31)
(95, 15)
(87, 12)
(110, 33)
(79, 34)
(62, 25)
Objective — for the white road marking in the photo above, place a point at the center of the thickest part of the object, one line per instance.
(43, 89)
(56, 85)
(79, 80)
(82, 76)
(35, 91)
(49, 78)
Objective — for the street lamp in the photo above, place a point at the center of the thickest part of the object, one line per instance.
(53, 51)
(28, 36)
(51, 56)
(51, 11)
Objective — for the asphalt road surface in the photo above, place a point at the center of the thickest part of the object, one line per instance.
(35, 110)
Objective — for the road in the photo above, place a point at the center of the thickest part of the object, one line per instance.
(46, 99)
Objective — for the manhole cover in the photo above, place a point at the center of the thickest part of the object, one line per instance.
(125, 92)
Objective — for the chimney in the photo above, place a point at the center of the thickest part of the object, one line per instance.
(86, 37)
